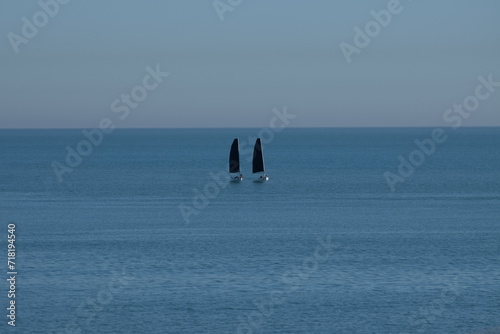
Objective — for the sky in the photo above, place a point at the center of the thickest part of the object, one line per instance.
(231, 62)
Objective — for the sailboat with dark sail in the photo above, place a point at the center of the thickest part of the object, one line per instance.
(234, 162)
(258, 162)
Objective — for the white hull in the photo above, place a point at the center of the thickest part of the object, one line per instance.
(261, 178)
(235, 178)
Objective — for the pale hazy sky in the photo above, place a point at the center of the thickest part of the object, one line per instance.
(232, 73)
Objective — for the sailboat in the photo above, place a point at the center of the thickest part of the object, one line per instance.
(234, 162)
(258, 162)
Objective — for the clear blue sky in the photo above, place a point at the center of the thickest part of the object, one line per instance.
(264, 54)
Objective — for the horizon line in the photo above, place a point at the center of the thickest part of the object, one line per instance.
(257, 127)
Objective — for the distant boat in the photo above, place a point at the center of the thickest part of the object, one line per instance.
(258, 162)
(234, 162)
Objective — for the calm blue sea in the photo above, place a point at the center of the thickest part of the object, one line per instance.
(146, 236)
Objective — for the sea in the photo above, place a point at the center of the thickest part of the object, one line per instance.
(358, 230)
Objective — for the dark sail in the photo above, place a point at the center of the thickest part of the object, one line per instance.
(258, 158)
(234, 157)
